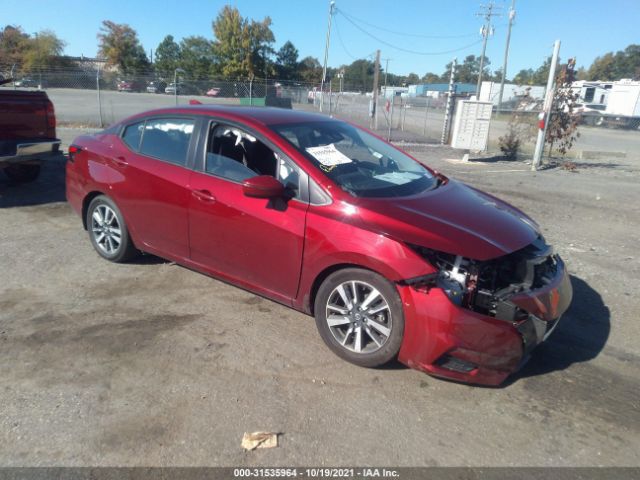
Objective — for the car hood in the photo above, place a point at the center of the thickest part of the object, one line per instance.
(453, 218)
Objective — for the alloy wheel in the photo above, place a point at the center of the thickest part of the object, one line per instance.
(358, 317)
(106, 229)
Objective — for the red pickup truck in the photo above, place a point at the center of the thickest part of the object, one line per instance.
(27, 133)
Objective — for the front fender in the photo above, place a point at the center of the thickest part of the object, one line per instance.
(330, 242)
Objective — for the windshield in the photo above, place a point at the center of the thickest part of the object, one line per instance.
(358, 162)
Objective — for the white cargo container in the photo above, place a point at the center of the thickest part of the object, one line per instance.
(624, 99)
(623, 105)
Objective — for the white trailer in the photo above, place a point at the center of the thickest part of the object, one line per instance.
(623, 105)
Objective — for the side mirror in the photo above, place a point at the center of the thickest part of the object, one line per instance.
(263, 186)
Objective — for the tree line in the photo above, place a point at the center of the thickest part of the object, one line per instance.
(243, 48)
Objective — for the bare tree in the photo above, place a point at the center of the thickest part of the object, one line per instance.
(562, 130)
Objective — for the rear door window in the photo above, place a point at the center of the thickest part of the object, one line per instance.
(168, 139)
(132, 135)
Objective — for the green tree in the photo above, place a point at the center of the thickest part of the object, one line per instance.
(631, 63)
(430, 77)
(524, 77)
(310, 70)
(622, 64)
(167, 56)
(541, 75)
(468, 70)
(287, 61)
(359, 75)
(119, 45)
(13, 45)
(411, 79)
(196, 57)
(241, 46)
(44, 51)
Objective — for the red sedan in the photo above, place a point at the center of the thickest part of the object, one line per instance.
(393, 259)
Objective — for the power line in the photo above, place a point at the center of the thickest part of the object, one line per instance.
(418, 35)
(344, 47)
(414, 52)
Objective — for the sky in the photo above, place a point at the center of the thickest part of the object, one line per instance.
(426, 28)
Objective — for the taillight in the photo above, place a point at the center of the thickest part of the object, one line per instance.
(51, 118)
(73, 149)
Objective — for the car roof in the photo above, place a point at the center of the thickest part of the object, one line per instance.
(264, 115)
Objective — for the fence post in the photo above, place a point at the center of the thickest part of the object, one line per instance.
(390, 119)
(403, 114)
(426, 115)
(100, 123)
(250, 91)
(13, 80)
(447, 111)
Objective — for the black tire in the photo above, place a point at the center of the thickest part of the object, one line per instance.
(103, 234)
(22, 173)
(374, 352)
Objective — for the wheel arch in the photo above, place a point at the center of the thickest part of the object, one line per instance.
(309, 297)
(86, 201)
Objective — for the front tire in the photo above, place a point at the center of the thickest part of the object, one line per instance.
(108, 232)
(359, 316)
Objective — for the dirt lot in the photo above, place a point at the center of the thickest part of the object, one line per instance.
(152, 364)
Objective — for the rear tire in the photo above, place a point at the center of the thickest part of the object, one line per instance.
(359, 316)
(22, 173)
(108, 232)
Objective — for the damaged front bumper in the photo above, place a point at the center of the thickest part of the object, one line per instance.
(448, 340)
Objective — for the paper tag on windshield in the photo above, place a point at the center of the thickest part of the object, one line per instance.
(328, 155)
(398, 178)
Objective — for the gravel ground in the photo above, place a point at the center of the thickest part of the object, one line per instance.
(149, 363)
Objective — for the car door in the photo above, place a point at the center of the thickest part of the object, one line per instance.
(253, 241)
(151, 182)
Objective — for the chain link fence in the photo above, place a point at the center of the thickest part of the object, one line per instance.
(93, 96)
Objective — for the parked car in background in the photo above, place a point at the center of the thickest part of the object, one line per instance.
(393, 259)
(213, 92)
(156, 86)
(27, 133)
(26, 83)
(130, 86)
(590, 113)
(124, 86)
(171, 89)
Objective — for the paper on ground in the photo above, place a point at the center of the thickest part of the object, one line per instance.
(251, 441)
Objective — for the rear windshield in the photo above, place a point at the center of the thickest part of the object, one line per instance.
(358, 162)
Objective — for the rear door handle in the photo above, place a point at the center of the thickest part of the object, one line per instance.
(121, 161)
(204, 195)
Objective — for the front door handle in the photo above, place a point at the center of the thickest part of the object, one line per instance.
(121, 161)
(204, 195)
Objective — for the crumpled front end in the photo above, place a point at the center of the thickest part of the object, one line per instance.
(477, 321)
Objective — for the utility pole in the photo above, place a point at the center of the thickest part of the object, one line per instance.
(332, 5)
(512, 16)
(39, 61)
(486, 30)
(374, 110)
(546, 111)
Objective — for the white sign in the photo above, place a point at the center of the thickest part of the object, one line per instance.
(328, 155)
